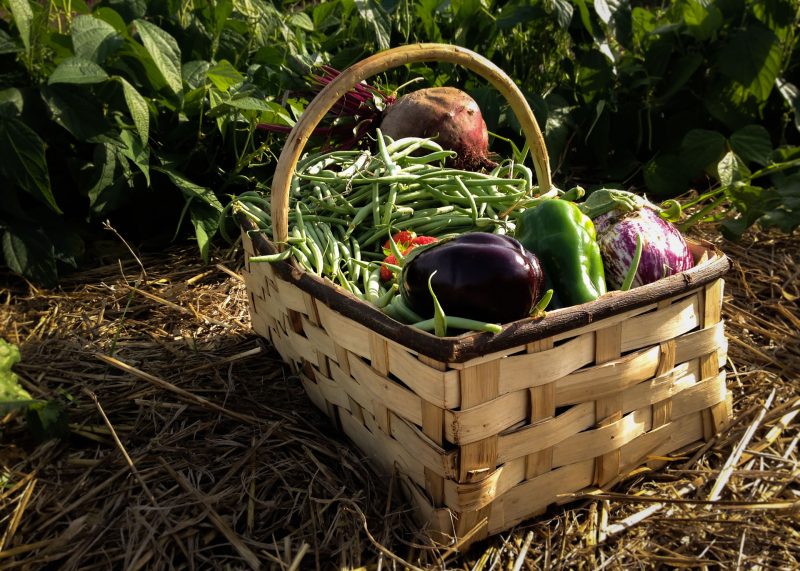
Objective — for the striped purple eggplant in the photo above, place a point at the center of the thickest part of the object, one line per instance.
(664, 251)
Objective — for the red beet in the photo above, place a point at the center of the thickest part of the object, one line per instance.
(447, 114)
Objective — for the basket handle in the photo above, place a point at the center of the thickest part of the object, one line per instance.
(378, 63)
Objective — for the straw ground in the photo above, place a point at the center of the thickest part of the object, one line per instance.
(189, 445)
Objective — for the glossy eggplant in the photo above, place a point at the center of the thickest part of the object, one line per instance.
(481, 276)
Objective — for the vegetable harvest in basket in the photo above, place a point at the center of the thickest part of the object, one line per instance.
(449, 250)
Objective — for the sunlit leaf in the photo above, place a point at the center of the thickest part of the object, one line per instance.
(164, 51)
(752, 57)
(23, 17)
(731, 169)
(77, 71)
(93, 39)
(224, 76)
(703, 19)
(791, 94)
(377, 19)
(140, 113)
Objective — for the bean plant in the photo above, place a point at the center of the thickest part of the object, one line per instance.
(144, 114)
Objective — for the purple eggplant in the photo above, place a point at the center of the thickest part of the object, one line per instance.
(664, 250)
(478, 275)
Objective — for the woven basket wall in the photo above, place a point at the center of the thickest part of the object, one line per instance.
(495, 439)
(489, 430)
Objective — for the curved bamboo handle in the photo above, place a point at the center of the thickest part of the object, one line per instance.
(378, 63)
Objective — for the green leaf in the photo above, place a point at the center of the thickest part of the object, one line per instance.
(10, 390)
(93, 39)
(23, 17)
(79, 114)
(140, 113)
(586, 18)
(104, 196)
(752, 57)
(190, 189)
(224, 76)
(137, 152)
(731, 169)
(7, 44)
(701, 148)
(164, 51)
(205, 220)
(301, 20)
(111, 17)
(563, 11)
(750, 203)
(752, 144)
(195, 73)
(29, 252)
(376, 18)
(777, 15)
(680, 72)
(24, 161)
(791, 95)
(12, 102)
(702, 18)
(47, 419)
(785, 213)
(77, 71)
(666, 176)
(603, 10)
(594, 76)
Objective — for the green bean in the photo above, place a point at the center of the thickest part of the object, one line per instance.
(360, 216)
(407, 145)
(302, 244)
(355, 258)
(431, 157)
(372, 289)
(332, 247)
(390, 199)
(376, 204)
(390, 311)
(465, 192)
(387, 296)
(326, 219)
(407, 314)
(272, 258)
(459, 323)
(318, 247)
(391, 166)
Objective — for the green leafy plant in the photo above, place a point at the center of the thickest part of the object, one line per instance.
(145, 113)
(45, 419)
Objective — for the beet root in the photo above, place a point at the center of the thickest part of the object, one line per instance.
(449, 116)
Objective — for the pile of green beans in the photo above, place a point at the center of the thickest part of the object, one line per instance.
(343, 205)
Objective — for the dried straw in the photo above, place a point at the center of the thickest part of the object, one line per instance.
(191, 446)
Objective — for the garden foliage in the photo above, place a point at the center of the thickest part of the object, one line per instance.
(145, 113)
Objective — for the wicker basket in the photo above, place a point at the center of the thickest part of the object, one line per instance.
(488, 430)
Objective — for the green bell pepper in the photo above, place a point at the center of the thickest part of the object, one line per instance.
(564, 240)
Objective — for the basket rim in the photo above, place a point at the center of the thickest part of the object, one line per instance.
(515, 334)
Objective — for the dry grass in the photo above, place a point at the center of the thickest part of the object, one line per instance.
(191, 446)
